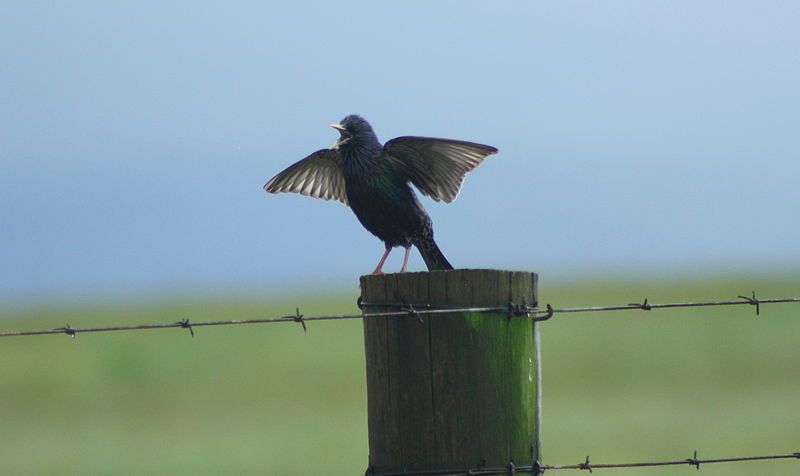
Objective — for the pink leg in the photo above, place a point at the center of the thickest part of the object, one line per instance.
(405, 259)
(383, 260)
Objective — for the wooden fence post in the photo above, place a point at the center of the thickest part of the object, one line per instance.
(453, 391)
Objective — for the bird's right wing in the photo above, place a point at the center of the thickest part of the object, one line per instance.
(319, 175)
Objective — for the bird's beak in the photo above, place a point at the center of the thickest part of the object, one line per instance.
(344, 136)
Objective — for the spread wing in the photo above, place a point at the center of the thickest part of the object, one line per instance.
(436, 166)
(319, 175)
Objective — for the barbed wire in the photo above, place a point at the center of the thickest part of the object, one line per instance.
(693, 461)
(406, 310)
(511, 468)
(410, 310)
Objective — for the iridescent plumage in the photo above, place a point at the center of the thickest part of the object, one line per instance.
(374, 181)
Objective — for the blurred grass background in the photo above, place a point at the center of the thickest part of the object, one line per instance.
(270, 399)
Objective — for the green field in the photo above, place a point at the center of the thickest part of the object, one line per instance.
(270, 399)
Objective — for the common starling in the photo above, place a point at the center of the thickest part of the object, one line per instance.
(374, 181)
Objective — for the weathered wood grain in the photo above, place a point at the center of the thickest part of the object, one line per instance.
(452, 391)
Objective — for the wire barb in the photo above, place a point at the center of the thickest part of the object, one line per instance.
(586, 465)
(186, 325)
(753, 301)
(67, 330)
(694, 461)
(517, 310)
(409, 308)
(512, 470)
(644, 306)
(299, 318)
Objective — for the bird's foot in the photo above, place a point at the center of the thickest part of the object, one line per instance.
(377, 272)
(383, 260)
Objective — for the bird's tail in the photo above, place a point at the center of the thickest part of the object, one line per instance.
(431, 254)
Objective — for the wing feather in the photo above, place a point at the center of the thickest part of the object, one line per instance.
(319, 175)
(436, 166)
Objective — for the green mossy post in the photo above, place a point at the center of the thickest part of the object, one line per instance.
(452, 391)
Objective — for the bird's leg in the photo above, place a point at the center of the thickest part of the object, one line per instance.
(405, 259)
(383, 260)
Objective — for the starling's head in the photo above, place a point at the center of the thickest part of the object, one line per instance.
(354, 132)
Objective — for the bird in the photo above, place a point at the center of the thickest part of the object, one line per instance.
(375, 181)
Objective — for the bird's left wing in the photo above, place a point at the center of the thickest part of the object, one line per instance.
(319, 175)
(436, 166)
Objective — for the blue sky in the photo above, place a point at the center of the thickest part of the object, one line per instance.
(636, 138)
